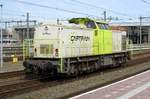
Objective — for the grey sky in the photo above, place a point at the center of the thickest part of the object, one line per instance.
(124, 9)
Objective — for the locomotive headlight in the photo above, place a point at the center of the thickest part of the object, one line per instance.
(56, 52)
(35, 51)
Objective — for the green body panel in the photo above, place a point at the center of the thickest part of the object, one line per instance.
(107, 42)
(102, 41)
(96, 41)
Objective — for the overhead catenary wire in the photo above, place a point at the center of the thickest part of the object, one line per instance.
(105, 9)
(87, 14)
(55, 8)
(146, 2)
(21, 14)
(76, 4)
(11, 15)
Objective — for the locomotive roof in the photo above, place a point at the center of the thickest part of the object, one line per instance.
(84, 20)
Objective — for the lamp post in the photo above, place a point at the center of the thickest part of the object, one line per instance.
(1, 52)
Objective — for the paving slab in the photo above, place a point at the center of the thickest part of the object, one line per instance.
(135, 87)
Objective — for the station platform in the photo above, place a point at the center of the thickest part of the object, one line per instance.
(135, 87)
(9, 67)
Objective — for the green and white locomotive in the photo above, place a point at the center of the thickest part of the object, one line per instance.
(81, 45)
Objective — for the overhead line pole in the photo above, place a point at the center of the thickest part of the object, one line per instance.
(1, 32)
(28, 25)
(141, 18)
(140, 31)
(105, 17)
(28, 34)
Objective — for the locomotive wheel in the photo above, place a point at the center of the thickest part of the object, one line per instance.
(124, 62)
(54, 72)
(80, 69)
(115, 62)
(73, 71)
(28, 71)
(35, 70)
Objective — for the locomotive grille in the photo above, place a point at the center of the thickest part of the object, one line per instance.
(123, 42)
(46, 49)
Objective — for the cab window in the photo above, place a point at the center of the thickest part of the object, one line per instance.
(103, 26)
(90, 24)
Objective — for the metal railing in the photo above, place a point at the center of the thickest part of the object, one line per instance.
(27, 48)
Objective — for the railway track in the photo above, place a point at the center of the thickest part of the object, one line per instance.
(30, 84)
(26, 85)
(11, 74)
(21, 87)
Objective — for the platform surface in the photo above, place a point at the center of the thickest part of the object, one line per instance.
(10, 66)
(135, 87)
